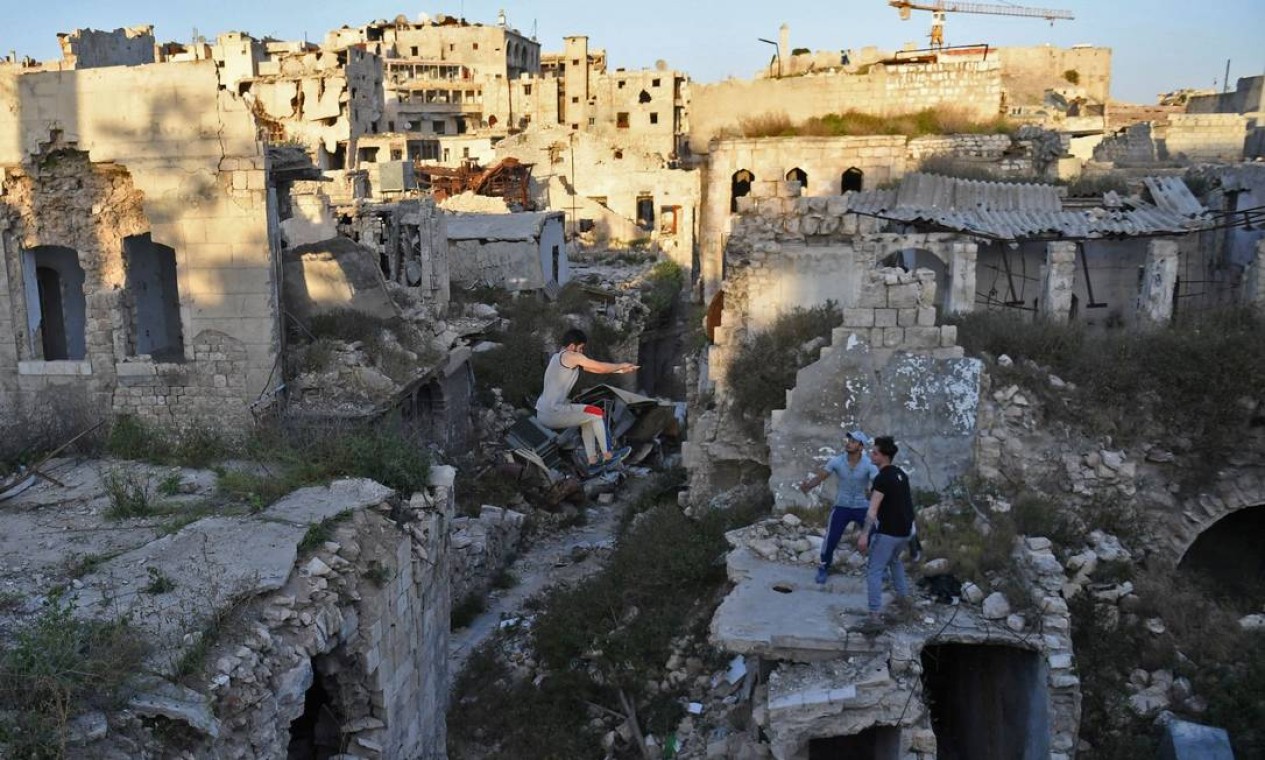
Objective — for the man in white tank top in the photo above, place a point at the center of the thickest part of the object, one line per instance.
(555, 410)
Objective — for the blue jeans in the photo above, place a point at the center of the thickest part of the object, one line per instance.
(839, 519)
(885, 554)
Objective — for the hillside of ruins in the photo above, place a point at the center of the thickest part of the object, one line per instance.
(274, 482)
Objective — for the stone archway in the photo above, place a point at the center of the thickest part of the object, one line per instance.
(1231, 552)
(1180, 528)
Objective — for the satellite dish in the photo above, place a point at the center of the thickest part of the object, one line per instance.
(660, 65)
(423, 18)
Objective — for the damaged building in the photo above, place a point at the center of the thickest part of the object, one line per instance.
(138, 241)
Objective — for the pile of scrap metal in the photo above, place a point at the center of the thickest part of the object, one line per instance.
(550, 467)
(508, 178)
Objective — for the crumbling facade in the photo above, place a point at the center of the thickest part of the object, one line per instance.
(139, 265)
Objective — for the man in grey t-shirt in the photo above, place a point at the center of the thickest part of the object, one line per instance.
(855, 473)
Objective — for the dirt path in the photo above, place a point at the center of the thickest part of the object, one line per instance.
(565, 557)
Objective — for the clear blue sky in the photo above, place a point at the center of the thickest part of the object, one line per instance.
(1159, 45)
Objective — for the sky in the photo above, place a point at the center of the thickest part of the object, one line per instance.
(1158, 45)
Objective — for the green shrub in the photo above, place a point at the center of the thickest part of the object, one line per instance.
(661, 292)
(766, 364)
(1072, 76)
(606, 635)
(465, 611)
(56, 667)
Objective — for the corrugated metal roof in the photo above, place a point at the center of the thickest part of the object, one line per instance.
(1171, 194)
(1017, 211)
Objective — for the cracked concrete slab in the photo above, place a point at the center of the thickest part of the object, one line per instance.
(754, 618)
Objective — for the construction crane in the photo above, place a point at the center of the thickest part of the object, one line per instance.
(939, 8)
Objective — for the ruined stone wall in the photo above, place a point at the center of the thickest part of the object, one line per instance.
(197, 185)
(1027, 72)
(971, 88)
(889, 370)
(1132, 146)
(92, 48)
(769, 160)
(514, 265)
(366, 615)
(481, 546)
(319, 99)
(1206, 137)
(1248, 97)
(615, 174)
(967, 146)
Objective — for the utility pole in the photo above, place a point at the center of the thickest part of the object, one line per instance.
(1225, 83)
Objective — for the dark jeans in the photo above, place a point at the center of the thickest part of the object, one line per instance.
(839, 519)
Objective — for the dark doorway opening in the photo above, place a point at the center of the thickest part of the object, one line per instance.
(151, 279)
(739, 186)
(645, 213)
(1230, 554)
(798, 175)
(317, 733)
(874, 743)
(853, 179)
(57, 309)
(53, 335)
(986, 701)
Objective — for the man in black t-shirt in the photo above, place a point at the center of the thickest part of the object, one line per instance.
(891, 516)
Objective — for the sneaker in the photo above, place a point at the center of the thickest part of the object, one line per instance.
(617, 456)
(822, 572)
(595, 469)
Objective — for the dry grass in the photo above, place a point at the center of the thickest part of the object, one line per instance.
(929, 121)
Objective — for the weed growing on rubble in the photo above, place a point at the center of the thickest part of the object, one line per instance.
(291, 457)
(1138, 385)
(765, 365)
(377, 573)
(55, 668)
(320, 532)
(130, 491)
(197, 445)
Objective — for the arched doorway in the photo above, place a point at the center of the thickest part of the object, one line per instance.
(739, 186)
(1231, 553)
(798, 175)
(853, 180)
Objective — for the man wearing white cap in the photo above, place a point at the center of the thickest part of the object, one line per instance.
(855, 473)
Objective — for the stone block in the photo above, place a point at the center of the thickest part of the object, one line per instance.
(858, 317)
(926, 316)
(903, 296)
(948, 336)
(906, 317)
(922, 337)
(885, 317)
(893, 336)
